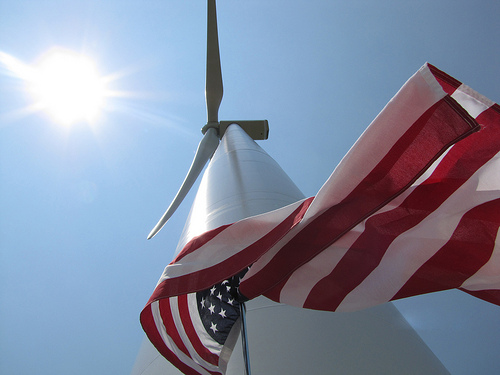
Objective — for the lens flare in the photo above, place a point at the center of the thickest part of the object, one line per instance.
(68, 87)
(63, 83)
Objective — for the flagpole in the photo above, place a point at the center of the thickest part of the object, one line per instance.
(244, 338)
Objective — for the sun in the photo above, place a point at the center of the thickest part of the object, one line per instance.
(63, 83)
(68, 87)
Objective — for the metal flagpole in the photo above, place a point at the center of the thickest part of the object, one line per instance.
(244, 338)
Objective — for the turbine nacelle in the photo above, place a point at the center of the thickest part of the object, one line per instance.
(257, 129)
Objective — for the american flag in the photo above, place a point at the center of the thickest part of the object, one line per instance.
(196, 331)
(219, 309)
(413, 208)
(399, 218)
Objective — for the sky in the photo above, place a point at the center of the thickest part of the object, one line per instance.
(77, 201)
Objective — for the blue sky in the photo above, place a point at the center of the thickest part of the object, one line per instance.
(76, 203)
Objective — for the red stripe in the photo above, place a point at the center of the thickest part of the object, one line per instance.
(438, 128)
(490, 117)
(469, 248)
(463, 160)
(207, 277)
(199, 241)
(149, 326)
(168, 322)
(203, 352)
(490, 120)
(448, 83)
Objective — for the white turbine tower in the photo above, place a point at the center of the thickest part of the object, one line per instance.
(242, 180)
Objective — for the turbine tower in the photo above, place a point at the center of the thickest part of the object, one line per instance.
(242, 180)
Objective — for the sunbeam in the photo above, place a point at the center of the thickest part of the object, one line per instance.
(64, 84)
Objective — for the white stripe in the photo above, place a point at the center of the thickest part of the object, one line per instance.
(270, 253)
(174, 306)
(488, 276)
(205, 338)
(155, 311)
(473, 102)
(300, 283)
(412, 249)
(490, 176)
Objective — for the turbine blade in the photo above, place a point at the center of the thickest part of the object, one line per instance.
(205, 150)
(213, 88)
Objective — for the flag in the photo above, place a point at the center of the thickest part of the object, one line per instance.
(413, 208)
(193, 319)
(371, 236)
(196, 332)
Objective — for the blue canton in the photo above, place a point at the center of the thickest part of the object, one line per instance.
(219, 307)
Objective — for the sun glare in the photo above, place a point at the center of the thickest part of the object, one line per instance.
(63, 83)
(68, 87)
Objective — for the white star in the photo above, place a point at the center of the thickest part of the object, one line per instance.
(228, 288)
(212, 291)
(202, 302)
(211, 308)
(213, 327)
(222, 313)
(230, 301)
(225, 282)
(219, 296)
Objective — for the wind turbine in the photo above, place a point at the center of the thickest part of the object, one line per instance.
(242, 180)
(213, 130)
